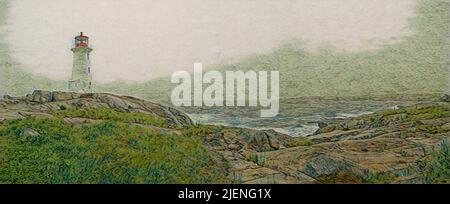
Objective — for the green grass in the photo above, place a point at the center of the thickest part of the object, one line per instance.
(257, 158)
(110, 114)
(296, 142)
(380, 178)
(386, 113)
(107, 152)
(200, 131)
(416, 115)
(427, 113)
(421, 113)
(433, 169)
(431, 129)
(436, 167)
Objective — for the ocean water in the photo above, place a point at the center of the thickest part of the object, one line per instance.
(295, 127)
(299, 119)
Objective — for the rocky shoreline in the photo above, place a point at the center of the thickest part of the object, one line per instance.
(341, 151)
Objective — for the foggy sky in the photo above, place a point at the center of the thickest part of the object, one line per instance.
(139, 40)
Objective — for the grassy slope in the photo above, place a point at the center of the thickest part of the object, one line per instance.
(51, 151)
(418, 64)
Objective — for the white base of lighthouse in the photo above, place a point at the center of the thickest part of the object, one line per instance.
(81, 80)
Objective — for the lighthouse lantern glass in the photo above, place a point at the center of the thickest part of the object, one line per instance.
(81, 41)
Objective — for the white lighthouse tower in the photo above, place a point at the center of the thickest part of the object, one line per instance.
(81, 80)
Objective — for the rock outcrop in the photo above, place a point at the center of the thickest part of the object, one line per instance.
(244, 150)
(343, 151)
(387, 141)
(40, 102)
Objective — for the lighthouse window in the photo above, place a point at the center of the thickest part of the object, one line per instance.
(88, 70)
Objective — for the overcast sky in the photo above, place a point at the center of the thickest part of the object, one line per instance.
(139, 40)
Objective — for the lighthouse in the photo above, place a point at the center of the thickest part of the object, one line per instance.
(81, 80)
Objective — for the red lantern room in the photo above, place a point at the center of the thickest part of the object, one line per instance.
(81, 41)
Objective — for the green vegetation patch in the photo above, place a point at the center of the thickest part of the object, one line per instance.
(430, 129)
(427, 113)
(421, 113)
(110, 114)
(300, 141)
(433, 169)
(257, 158)
(200, 131)
(436, 167)
(50, 151)
(381, 178)
(416, 116)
